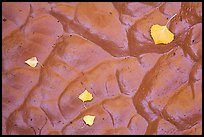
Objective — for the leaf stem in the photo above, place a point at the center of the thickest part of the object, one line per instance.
(170, 19)
(85, 106)
(41, 64)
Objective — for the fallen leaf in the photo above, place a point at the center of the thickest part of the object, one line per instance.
(85, 96)
(161, 34)
(32, 62)
(89, 120)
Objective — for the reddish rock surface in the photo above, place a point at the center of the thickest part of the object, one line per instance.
(138, 87)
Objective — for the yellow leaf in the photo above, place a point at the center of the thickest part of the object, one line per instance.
(161, 34)
(89, 120)
(32, 62)
(85, 96)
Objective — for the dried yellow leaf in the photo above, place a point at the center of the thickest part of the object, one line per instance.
(32, 62)
(89, 120)
(161, 34)
(85, 96)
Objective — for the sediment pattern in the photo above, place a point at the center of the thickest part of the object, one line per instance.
(106, 48)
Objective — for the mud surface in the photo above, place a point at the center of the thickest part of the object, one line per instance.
(138, 87)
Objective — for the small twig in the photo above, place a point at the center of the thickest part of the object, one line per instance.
(170, 19)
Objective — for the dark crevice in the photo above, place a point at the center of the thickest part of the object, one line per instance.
(130, 121)
(40, 130)
(111, 116)
(33, 130)
(64, 21)
(47, 116)
(107, 92)
(187, 45)
(22, 27)
(117, 74)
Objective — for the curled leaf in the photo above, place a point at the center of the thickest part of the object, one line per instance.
(32, 62)
(85, 96)
(161, 34)
(89, 120)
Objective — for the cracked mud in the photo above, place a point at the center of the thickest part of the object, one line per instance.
(106, 48)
